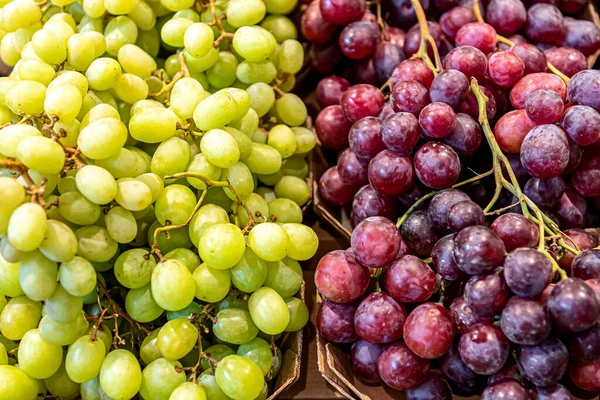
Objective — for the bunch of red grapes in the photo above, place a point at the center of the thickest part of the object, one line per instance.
(470, 292)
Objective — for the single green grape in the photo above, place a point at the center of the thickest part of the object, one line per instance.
(177, 338)
(60, 243)
(198, 65)
(160, 378)
(118, 7)
(76, 208)
(269, 311)
(27, 227)
(290, 57)
(49, 46)
(269, 241)
(143, 16)
(185, 96)
(62, 306)
(173, 31)
(264, 159)
(296, 166)
(285, 211)
(37, 276)
(103, 73)
(120, 374)
(3, 355)
(207, 381)
(304, 242)
(36, 70)
(280, 6)
(121, 225)
(141, 306)
(239, 378)
(222, 73)
(94, 8)
(254, 43)
(175, 204)
(254, 72)
(212, 285)
(149, 42)
(235, 326)
(221, 246)
(299, 314)
(37, 358)
(250, 273)
(133, 194)
(235, 300)
(280, 26)
(12, 135)
(285, 277)
(41, 153)
(154, 183)
(171, 156)
(95, 244)
(186, 257)
(60, 333)
(133, 268)
(71, 130)
(118, 32)
(258, 351)
(19, 316)
(148, 350)
(206, 216)
(282, 139)
(135, 60)
(173, 285)
(240, 178)
(96, 183)
(98, 112)
(84, 359)
(216, 111)
(290, 109)
(176, 238)
(257, 205)
(200, 165)
(20, 14)
(247, 124)
(193, 308)
(15, 382)
(103, 138)
(243, 141)
(293, 188)
(245, 12)
(74, 78)
(81, 51)
(122, 164)
(198, 39)
(188, 391)
(153, 125)
(131, 88)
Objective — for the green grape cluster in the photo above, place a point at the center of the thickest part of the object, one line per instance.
(154, 169)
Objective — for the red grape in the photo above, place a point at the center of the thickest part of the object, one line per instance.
(582, 125)
(342, 12)
(573, 305)
(533, 58)
(545, 151)
(434, 386)
(340, 278)
(409, 96)
(361, 101)
(585, 346)
(515, 230)
(511, 129)
(454, 19)
(324, 58)
(375, 242)
(484, 348)
(333, 190)
(527, 271)
(314, 27)
(463, 317)
(428, 331)
(536, 81)
(440, 206)
(332, 127)
(400, 132)
(462, 379)
(506, 68)
(464, 214)
(351, 169)
(410, 280)
(443, 259)
(477, 34)
(413, 70)
(578, 239)
(486, 295)
(364, 357)
(449, 87)
(331, 89)
(391, 174)
(567, 60)
(335, 321)
(466, 137)
(586, 265)
(582, 35)
(359, 39)
(386, 58)
(545, 193)
(544, 107)
(555, 392)
(543, 364)
(468, 60)
(365, 138)
(545, 24)
(585, 178)
(437, 165)
(571, 209)
(368, 203)
(506, 16)
(524, 321)
(379, 318)
(586, 375)
(400, 368)
(477, 250)
(437, 120)
(418, 233)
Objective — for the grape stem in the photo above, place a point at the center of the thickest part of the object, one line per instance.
(217, 21)
(36, 192)
(274, 350)
(425, 39)
(184, 72)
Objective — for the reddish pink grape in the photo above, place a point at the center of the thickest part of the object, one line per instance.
(394, 35)
(443, 259)
(359, 39)
(400, 132)
(437, 165)
(584, 346)
(543, 364)
(486, 295)
(524, 321)
(368, 203)
(410, 280)
(324, 58)
(586, 265)
(340, 278)
(584, 89)
(409, 96)
(572, 6)
(379, 318)
(463, 317)
(437, 120)
(386, 58)
(545, 24)
(595, 285)
(440, 206)
(400, 368)
(532, 57)
(477, 34)
(449, 87)
(464, 214)
(468, 60)
(365, 138)
(536, 81)
(567, 60)
(364, 357)
(506, 68)
(412, 40)
(511, 129)
(470, 106)
(413, 70)
(332, 127)
(586, 375)
(361, 101)
(454, 19)
(314, 27)
(544, 107)
(484, 348)
(545, 151)
(571, 209)
(342, 12)
(375, 242)
(555, 392)
(477, 250)
(545, 193)
(333, 190)
(581, 35)
(506, 16)
(462, 379)
(509, 371)
(573, 305)
(391, 174)
(434, 386)
(335, 321)
(428, 331)
(582, 125)
(516, 231)
(351, 169)
(466, 137)
(527, 271)
(577, 239)
(418, 233)
(507, 389)
(585, 178)
(330, 90)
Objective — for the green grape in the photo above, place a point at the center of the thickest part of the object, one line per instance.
(125, 114)
(247, 124)
(280, 26)
(269, 241)
(15, 384)
(96, 184)
(303, 241)
(235, 326)
(222, 73)
(201, 64)
(258, 351)
(200, 165)
(12, 135)
(285, 277)
(242, 100)
(5, 115)
(20, 14)
(9, 253)
(88, 24)
(26, 97)
(208, 382)
(71, 132)
(103, 138)
(62, 334)
(142, 157)
(269, 311)
(172, 65)
(282, 139)
(121, 225)
(141, 306)
(290, 57)
(99, 112)
(3, 355)
(193, 308)
(212, 285)
(305, 139)
(106, 97)
(103, 73)
(133, 195)
(149, 42)
(173, 285)
(81, 51)
(254, 43)
(118, 32)
(91, 390)
(177, 238)
(77, 276)
(198, 39)
(299, 314)
(143, 16)
(187, 13)
(215, 111)
(9, 278)
(37, 358)
(62, 306)
(245, 12)
(153, 125)
(254, 72)
(103, 333)
(188, 391)
(236, 300)
(177, 338)
(262, 97)
(27, 227)
(5, 84)
(280, 6)
(257, 205)
(171, 156)
(118, 7)
(60, 385)
(74, 78)
(290, 109)
(94, 8)
(219, 147)
(222, 246)
(217, 353)
(205, 217)
(239, 378)
(19, 316)
(36, 70)
(243, 142)
(13, 194)
(160, 378)
(63, 102)
(75, 208)
(41, 153)
(10, 48)
(250, 273)
(3, 303)
(285, 211)
(175, 204)
(131, 88)
(154, 183)
(37, 276)
(120, 374)
(95, 244)
(293, 188)
(133, 270)
(173, 31)
(135, 60)
(84, 359)
(263, 160)
(240, 178)
(148, 350)
(145, 104)
(122, 164)
(185, 96)
(49, 46)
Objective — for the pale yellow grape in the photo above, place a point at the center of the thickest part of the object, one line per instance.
(76, 208)
(188, 391)
(175, 204)
(119, 7)
(141, 306)
(5, 84)
(240, 177)
(247, 124)
(13, 194)
(143, 16)
(143, 161)
(37, 358)
(131, 88)
(254, 43)
(26, 97)
(207, 215)
(62, 29)
(186, 257)
(145, 104)
(148, 350)
(280, 26)
(77, 276)
(104, 334)
(173, 285)
(3, 354)
(37, 276)
(98, 112)
(269, 311)
(95, 244)
(60, 385)
(269, 241)
(121, 225)
(171, 156)
(49, 46)
(177, 338)
(285, 211)
(9, 278)
(27, 227)
(132, 270)
(36, 71)
(103, 73)
(203, 167)
(5, 115)
(257, 205)
(254, 72)
(74, 78)
(153, 125)
(215, 111)
(222, 246)
(303, 241)
(11, 136)
(136, 61)
(212, 285)
(103, 138)
(185, 96)
(11, 47)
(149, 41)
(242, 99)
(299, 314)
(293, 188)
(263, 160)
(19, 316)
(67, 183)
(187, 13)
(239, 377)
(20, 14)
(133, 195)
(63, 101)
(4, 219)
(122, 164)
(16, 385)
(88, 24)
(282, 139)
(291, 109)
(94, 8)
(81, 51)
(173, 31)
(154, 183)
(59, 243)
(198, 39)
(245, 12)
(84, 359)
(65, 17)
(219, 148)
(290, 57)
(27, 53)
(41, 153)
(262, 97)
(177, 5)
(96, 184)
(120, 374)
(160, 378)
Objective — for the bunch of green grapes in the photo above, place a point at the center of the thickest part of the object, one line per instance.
(154, 170)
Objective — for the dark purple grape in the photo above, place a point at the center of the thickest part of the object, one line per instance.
(545, 151)
(573, 305)
(506, 68)
(449, 87)
(368, 203)
(477, 250)
(454, 19)
(342, 12)
(527, 271)
(567, 60)
(577, 239)
(543, 364)
(586, 265)
(375, 242)
(536, 81)
(359, 39)
(413, 70)
(545, 193)
(572, 6)
(584, 89)
(363, 71)
(333, 190)
(418, 233)
(379, 318)
(524, 321)
(410, 280)
(585, 178)
(443, 259)
(555, 392)
(324, 58)
(340, 278)
(391, 174)
(468, 60)
(428, 331)
(585, 346)
(545, 24)
(464, 214)
(314, 27)
(412, 40)
(394, 35)
(462, 379)
(332, 127)
(330, 90)
(582, 124)
(335, 321)
(365, 138)
(437, 120)
(400, 368)
(586, 375)
(571, 209)
(544, 107)
(470, 106)
(361, 101)
(352, 170)
(479, 35)
(440, 206)
(466, 137)
(516, 231)
(364, 357)
(437, 165)
(506, 16)
(463, 317)
(533, 58)
(400, 132)
(582, 35)
(507, 389)
(509, 371)
(385, 60)
(409, 96)
(486, 295)
(484, 348)
(433, 387)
